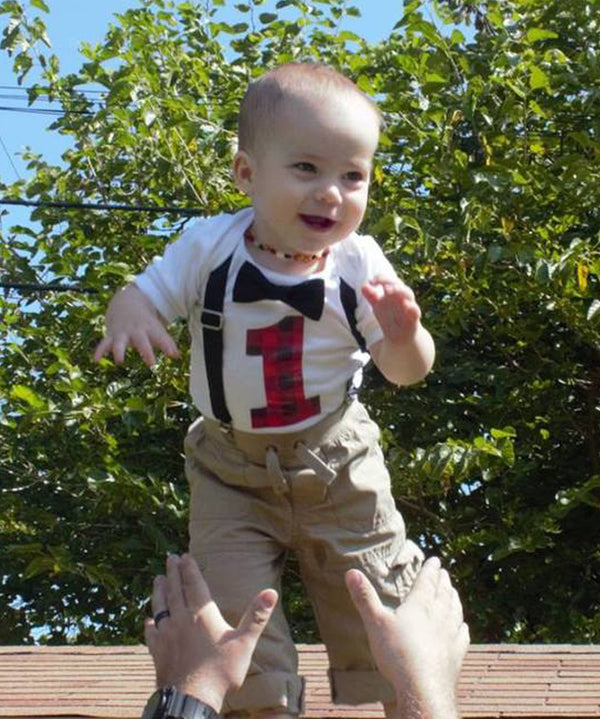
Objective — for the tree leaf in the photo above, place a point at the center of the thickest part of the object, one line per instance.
(535, 34)
(26, 394)
(583, 272)
(40, 5)
(538, 78)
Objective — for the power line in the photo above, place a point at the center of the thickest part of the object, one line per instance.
(575, 121)
(44, 111)
(31, 287)
(193, 211)
(10, 158)
(21, 88)
(74, 100)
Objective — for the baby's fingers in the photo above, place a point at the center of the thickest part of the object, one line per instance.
(407, 310)
(143, 345)
(103, 348)
(119, 347)
(372, 293)
(162, 340)
(396, 289)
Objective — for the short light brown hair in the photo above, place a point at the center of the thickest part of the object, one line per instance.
(265, 96)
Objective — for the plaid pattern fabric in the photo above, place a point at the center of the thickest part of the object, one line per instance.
(280, 346)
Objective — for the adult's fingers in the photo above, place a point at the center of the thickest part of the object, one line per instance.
(463, 639)
(444, 587)
(195, 589)
(456, 608)
(363, 595)
(150, 634)
(197, 596)
(257, 615)
(175, 598)
(428, 577)
(159, 595)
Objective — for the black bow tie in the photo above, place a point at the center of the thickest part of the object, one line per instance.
(307, 297)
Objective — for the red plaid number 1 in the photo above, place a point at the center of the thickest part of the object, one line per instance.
(281, 348)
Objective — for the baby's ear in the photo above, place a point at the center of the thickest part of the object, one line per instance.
(243, 171)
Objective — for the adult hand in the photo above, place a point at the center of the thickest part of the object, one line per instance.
(194, 648)
(420, 646)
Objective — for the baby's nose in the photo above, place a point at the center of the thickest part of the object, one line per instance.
(329, 193)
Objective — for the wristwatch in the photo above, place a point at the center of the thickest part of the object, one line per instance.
(168, 703)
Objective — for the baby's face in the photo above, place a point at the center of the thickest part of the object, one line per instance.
(309, 175)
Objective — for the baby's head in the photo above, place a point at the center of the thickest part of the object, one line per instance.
(307, 136)
(288, 85)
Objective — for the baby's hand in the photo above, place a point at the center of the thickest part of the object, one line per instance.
(395, 307)
(132, 321)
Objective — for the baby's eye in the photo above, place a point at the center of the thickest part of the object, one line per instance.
(305, 167)
(355, 176)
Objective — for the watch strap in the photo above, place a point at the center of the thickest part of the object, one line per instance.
(184, 706)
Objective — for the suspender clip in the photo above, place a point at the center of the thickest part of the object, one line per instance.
(211, 320)
(226, 428)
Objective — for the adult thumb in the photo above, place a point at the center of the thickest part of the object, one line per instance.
(363, 595)
(257, 615)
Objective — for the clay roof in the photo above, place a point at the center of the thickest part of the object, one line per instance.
(498, 680)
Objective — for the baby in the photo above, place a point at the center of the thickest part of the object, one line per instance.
(286, 304)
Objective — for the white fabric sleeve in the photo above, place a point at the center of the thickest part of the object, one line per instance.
(373, 263)
(172, 282)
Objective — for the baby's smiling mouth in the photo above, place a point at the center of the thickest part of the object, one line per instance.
(316, 222)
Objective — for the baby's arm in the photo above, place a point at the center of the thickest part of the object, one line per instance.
(406, 353)
(133, 321)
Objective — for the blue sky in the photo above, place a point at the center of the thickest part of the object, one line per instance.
(71, 22)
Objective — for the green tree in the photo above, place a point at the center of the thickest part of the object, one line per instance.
(485, 196)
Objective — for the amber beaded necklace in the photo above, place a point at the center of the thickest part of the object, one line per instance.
(295, 256)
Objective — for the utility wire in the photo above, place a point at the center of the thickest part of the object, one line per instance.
(21, 88)
(31, 287)
(191, 211)
(73, 101)
(43, 111)
(575, 121)
(12, 164)
(76, 92)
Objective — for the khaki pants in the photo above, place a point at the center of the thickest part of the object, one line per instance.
(323, 493)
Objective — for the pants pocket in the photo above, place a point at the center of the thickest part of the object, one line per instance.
(360, 495)
(212, 497)
(404, 568)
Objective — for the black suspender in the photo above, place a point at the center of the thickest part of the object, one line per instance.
(211, 320)
(349, 303)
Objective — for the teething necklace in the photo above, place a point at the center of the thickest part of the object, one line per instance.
(296, 256)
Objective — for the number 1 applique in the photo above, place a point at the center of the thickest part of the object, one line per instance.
(280, 346)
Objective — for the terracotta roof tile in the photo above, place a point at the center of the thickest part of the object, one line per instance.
(498, 682)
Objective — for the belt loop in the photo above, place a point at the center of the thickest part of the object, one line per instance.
(280, 484)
